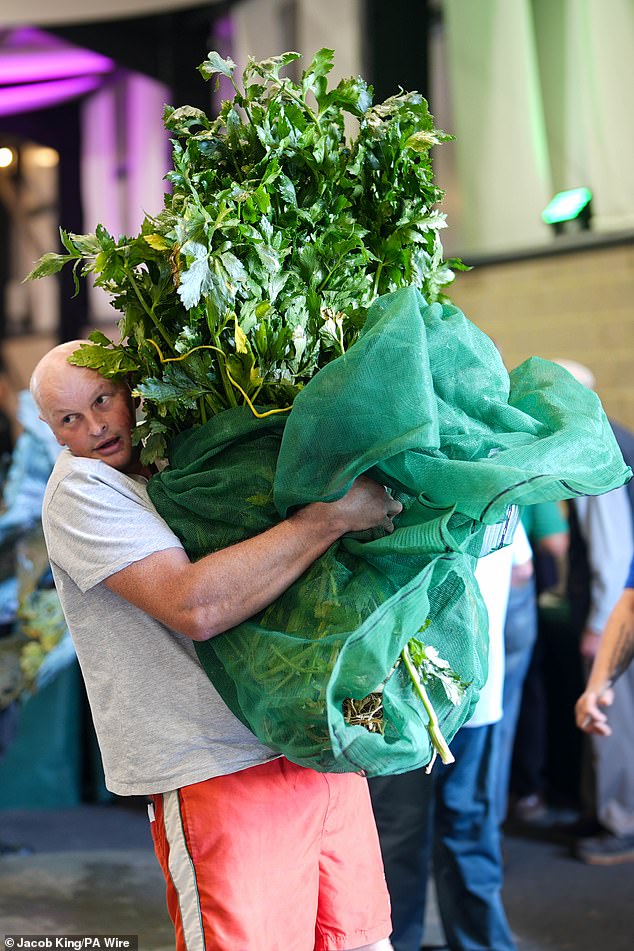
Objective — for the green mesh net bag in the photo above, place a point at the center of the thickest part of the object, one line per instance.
(422, 403)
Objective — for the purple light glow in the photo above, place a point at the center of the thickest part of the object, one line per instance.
(31, 37)
(223, 42)
(27, 98)
(223, 28)
(51, 64)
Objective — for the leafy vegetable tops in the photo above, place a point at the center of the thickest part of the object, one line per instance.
(278, 234)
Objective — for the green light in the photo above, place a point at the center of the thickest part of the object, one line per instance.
(566, 206)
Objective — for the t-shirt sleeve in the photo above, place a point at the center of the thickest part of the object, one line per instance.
(98, 522)
(545, 518)
(630, 577)
(605, 524)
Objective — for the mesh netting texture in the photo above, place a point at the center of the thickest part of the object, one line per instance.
(423, 404)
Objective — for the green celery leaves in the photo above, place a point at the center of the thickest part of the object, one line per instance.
(278, 234)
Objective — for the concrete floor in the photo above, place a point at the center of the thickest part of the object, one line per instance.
(554, 902)
(95, 892)
(93, 871)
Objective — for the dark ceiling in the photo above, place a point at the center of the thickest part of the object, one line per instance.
(167, 46)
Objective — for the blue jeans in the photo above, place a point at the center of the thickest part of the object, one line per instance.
(520, 634)
(448, 817)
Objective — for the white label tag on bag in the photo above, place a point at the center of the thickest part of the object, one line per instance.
(501, 534)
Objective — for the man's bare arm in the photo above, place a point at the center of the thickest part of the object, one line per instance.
(204, 598)
(615, 653)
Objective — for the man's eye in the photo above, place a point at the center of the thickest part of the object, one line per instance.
(67, 419)
(101, 399)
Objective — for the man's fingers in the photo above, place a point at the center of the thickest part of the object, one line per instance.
(590, 718)
(595, 726)
(607, 697)
(589, 723)
(393, 506)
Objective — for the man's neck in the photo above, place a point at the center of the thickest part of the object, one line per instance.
(136, 468)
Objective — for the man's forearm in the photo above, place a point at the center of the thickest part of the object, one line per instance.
(222, 589)
(218, 596)
(616, 649)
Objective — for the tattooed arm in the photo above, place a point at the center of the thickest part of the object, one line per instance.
(614, 655)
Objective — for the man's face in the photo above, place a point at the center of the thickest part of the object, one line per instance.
(91, 415)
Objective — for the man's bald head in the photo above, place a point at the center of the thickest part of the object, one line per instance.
(49, 367)
(92, 415)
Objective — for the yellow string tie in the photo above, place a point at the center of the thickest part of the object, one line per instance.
(207, 346)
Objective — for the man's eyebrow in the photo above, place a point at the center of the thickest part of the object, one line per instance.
(98, 390)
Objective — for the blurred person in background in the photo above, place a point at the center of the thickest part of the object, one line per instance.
(526, 706)
(546, 532)
(30, 464)
(448, 820)
(601, 549)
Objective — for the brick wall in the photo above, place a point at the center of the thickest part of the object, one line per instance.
(578, 305)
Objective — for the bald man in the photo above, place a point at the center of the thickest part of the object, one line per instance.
(242, 834)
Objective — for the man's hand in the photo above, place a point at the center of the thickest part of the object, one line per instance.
(614, 654)
(588, 713)
(366, 505)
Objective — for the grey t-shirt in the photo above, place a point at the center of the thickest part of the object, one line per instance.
(159, 721)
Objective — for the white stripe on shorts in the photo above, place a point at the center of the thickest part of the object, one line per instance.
(183, 874)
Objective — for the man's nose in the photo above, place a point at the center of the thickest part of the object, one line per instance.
(97, 425)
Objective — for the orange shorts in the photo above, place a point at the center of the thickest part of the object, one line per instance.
(273, 858)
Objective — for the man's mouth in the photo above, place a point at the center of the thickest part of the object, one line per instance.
(109, 445)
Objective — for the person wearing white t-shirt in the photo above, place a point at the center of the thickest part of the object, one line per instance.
(448, 819)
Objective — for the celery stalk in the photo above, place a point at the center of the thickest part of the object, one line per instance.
(433, 727)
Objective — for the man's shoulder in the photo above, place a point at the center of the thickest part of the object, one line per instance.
(90, 475)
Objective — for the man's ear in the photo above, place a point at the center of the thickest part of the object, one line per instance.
(44, 420)
(57, 438)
